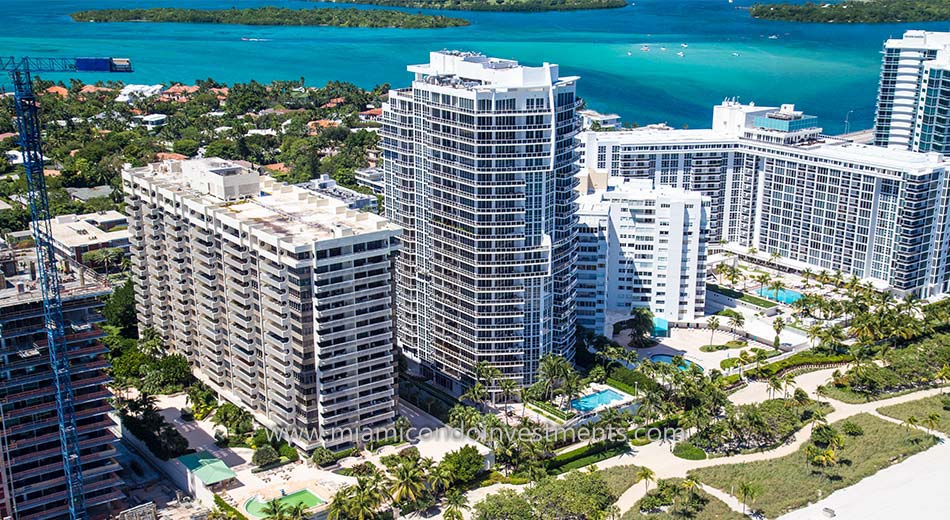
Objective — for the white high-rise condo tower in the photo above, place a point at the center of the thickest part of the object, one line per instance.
(479, 167)
(913, 101)
(280, 298)
(779, 185)
(641, 247)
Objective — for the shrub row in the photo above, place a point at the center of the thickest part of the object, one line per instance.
(587, 455)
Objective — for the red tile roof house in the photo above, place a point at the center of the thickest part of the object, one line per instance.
(333, 103)
(373, 114)
(59, 91)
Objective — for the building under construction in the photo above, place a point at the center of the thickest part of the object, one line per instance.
(32, 480)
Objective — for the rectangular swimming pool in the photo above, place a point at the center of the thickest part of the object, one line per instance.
(592, 401)
(786, 296)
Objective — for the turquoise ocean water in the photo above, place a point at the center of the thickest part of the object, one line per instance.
(826, 70)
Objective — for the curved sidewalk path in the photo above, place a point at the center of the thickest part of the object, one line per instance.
(658, 456)
(661, 460)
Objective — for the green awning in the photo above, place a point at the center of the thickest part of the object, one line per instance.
(208, 469)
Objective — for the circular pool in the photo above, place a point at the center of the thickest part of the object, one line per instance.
(668, 359)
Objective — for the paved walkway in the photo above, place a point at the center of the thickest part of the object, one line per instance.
(658, 456)
(666, 465)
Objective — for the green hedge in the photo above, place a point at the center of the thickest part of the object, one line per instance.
(632, 379)
(620, 385)
(802, 358)
(560, 414)
(739, 295)
(685, 450)
(227, 509)
(583, 457)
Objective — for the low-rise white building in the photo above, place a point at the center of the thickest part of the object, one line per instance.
(74, 235)
(353, 199)
(640, 247)
(594, 119)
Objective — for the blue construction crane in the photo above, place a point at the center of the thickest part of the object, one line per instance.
(28, 124)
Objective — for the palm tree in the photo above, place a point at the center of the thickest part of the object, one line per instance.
(778, 325)
(713, 323)
(744, 359)
(365, 500)
(476, 394)
(932, 421)
(774, 386)
(911, 422)
(747, 493)
(571, 386)
(736, 321)
(787, 382)
(455, 502)
(297, 511)
(774, 257)
(721, 269)
(775, 288)
(689, 485)
(508, 388)
(407, 484)
(275, 510)
(441, 478)
(646, 475)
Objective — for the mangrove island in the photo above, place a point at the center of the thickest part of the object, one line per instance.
(275, 16)
(493, 5)
(857, 11)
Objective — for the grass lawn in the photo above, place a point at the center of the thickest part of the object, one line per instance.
(921, 409)
(713, 509)
(739, 295)
(787, 483)
(620, 478)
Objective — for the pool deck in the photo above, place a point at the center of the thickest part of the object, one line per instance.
(593, 388)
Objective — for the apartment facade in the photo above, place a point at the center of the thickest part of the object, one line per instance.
(32, 480)
(480, 172)
(280, 298)
(913, 102)
(641, 247)
(783, 187)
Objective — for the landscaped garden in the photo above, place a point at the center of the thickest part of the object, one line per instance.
(680, 498)
(760, 426)
(833, 460)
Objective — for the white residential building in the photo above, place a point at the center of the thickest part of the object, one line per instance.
(353, 199)
(479, 164)
(778, 184)
(590, 118)
(914, 93)
(74, 235)
(281, 299)
(640, 247)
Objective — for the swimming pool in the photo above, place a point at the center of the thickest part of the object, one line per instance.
(668, 359)
(592, 401)
(786, 296)
(255, 507)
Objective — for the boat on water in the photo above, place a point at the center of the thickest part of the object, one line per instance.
(629, 53)
(246, 39)
(645, 48)
(663, 49)
(681, 54)
(735, 54)
(773, 37)
(683, 45)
